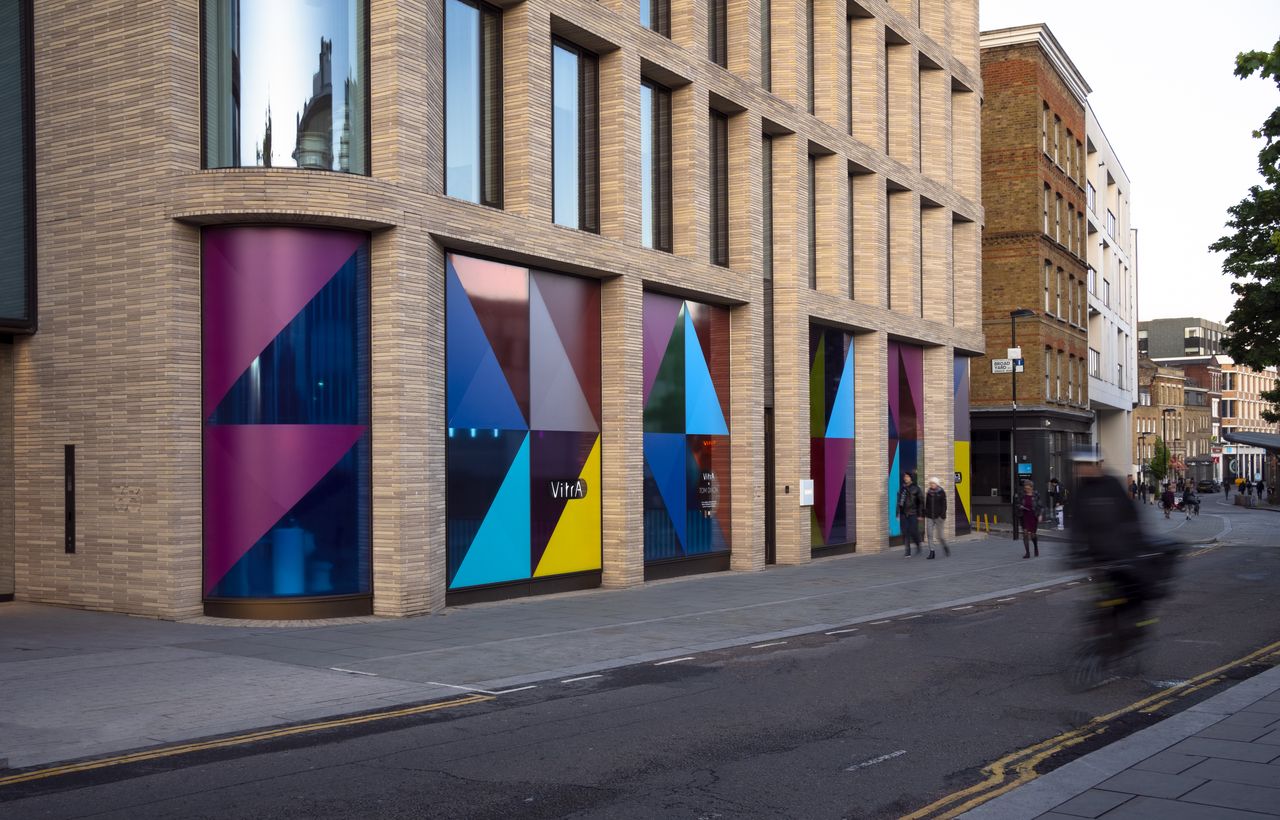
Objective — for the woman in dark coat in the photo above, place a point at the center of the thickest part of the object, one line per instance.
(1029, 511)
(1166, 499)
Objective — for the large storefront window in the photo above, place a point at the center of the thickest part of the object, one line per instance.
(906, 420)
(523, 445)
(17, 273)
(286, 84)
(831, 437)
(286, 414)
(686, 432)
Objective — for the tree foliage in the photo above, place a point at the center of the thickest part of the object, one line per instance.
(1159, 464)
(1253, 247)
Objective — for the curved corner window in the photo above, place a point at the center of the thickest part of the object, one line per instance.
(286, 84)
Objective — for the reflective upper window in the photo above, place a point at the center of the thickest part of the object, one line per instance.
(286, 84)
(17, 283)
(473, 102)
(646, 165)
(565, 116)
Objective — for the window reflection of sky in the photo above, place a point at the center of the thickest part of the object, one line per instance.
(279, 57)
(462, 100)
(646, 165)
(565, 137)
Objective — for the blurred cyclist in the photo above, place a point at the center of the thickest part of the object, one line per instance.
(1125, 565)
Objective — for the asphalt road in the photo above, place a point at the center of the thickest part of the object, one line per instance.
(876, 722)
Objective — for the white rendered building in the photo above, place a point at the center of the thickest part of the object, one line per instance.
(1113, 298)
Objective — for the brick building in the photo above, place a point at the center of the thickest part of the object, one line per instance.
(352, 306)
(1160, 415)
(1034, 259)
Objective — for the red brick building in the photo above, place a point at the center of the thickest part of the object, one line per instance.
(1033, 259)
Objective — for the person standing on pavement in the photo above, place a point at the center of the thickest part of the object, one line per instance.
(1189, 502)
(1166, 499)
(1226, 490)
(910, 507)
(1029, 510)
(1133, 490)
(1262, 490)
(935, 517)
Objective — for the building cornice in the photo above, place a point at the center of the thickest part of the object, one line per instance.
(1040, 34)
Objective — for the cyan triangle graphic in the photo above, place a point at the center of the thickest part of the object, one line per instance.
(478, 394)
(665, 453)
(702, 414)
(500, 550)
(895, 484)
(841, 424)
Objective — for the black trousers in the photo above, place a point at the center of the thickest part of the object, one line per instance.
(910, 530)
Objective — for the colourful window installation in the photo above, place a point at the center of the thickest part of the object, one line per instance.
(831, 436)
(523, 406)
(686, 429)
(285, 354)
(906, 420)
(962, 493)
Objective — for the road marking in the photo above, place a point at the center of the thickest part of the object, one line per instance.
(911, 617)
(673, 660)
(1072, 583)
(961, 608)
(873, 761)
(237, 740)
(1040, 590)
(843, 631)
(1022, 763)
(877, 623)
(1003, 600)
(771, 643)
(352, 671)
(481, 691)
(584, 677)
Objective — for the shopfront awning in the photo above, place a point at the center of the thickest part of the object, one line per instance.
(1266, 441)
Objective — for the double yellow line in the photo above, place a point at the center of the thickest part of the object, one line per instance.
(237, 740)
(1017, 768)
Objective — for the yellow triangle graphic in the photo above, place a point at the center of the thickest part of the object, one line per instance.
(575, 543)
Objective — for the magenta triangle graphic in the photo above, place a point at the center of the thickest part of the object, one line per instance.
(255, 281)
(835, 465)
(253, 475)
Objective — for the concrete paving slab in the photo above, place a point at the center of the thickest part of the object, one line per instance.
(1170, 762)
(1236, 796)
(1151, 784)
(1235, 771)
(1093, 803)
(1147, 808)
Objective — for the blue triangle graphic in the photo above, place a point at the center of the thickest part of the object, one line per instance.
(895, 484)
(841, 423)
(703, 416)
(478, 392)
(500, 550)
(665, 454)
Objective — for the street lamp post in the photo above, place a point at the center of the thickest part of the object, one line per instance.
(1014, 316)
(1164, 427)
(1144, 461)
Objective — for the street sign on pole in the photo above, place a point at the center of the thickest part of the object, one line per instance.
(1002, 365)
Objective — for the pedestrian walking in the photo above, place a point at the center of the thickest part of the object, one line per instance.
(1190, 502)
(1166, 499)
(1057, 496)
(1029, 509)
(1226, 490)
(910, 507)
(935, 517)
(1133, 490)
(1262, 490)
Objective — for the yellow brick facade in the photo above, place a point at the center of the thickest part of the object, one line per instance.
(115, 366)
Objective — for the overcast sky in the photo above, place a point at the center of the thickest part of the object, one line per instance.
(1178, 119)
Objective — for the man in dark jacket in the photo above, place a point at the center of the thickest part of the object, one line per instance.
(935, 516)
(910, 506)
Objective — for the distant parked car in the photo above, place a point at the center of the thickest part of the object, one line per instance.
(1208, 485)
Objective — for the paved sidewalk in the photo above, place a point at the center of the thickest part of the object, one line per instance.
(78, 684)
(1218, 760)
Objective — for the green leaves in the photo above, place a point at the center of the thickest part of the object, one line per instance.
(1159, 464)
(1252, 247)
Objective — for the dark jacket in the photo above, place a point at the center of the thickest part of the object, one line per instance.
(910, 500)
(1106, 522)
(935, 503)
